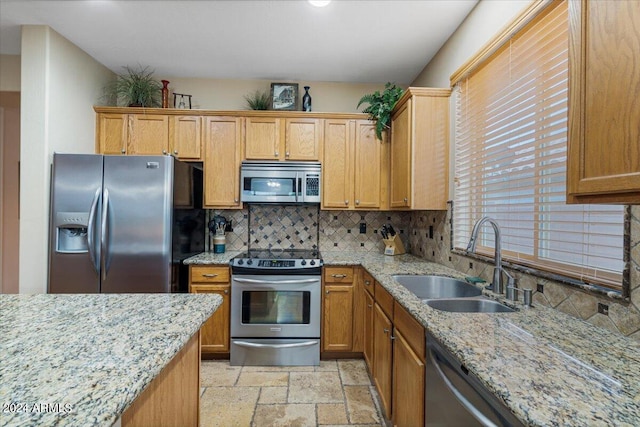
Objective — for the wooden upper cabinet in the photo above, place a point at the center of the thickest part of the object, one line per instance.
(148, 134)
(277, 138)
(303, 139)
(185, 137)
(603, 158)
(112, 133)
(420, 150)
(263, 138)
(354, 166)
(337, 185)
(222, 158)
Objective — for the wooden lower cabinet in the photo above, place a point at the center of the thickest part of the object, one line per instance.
(215, 332)
(408, 384)
(368, 329)
(338, 292)
(337, 325)
(173, 397)
(383, 357)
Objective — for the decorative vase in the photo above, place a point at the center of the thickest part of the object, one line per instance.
(165, 93)
(306, 99)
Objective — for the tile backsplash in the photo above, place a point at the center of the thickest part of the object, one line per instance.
(305, 227)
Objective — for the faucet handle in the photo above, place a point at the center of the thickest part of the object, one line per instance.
(512, 294)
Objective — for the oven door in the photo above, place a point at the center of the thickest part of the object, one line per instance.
(275, 306)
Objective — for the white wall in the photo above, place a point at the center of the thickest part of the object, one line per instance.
(60, 85)
(486, 20)
(9, 73)
(216, 94)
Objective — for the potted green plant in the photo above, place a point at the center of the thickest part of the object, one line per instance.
(135, 88)
(258, 100)
(381, 105)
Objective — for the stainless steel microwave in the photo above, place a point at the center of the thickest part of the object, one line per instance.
(280, 182)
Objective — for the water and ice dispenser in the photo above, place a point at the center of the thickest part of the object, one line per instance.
(71, 232)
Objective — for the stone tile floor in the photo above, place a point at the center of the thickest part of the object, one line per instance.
(336, 393)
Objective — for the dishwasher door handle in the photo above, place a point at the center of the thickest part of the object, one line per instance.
(457, 393)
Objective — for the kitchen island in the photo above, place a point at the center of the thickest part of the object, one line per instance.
(547, 367)
(79, 360)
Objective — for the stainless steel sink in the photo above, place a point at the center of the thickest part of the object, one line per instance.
(468, 305)
(430, 287)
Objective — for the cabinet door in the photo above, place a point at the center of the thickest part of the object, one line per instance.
(112, 133)
(303, 139)
(382, 356)
(408, 384)
(186, 137)
(337, 185)
(263, 138)
(148, 134)
(368, 157)
(368, 331)
(222, 160)
(401, 157)
(603, 157)
(214, 334)
(338, 318)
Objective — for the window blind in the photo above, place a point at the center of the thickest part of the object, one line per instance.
(510, 162)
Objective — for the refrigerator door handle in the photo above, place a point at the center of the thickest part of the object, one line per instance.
(91, 231)
(103, 234)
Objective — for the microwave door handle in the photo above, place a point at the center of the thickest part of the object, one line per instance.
(297, 186)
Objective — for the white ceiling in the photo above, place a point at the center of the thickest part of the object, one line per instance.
(346, 41)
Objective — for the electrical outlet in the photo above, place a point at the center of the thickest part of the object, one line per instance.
(540, 288)
(603, 309)
(363, 228)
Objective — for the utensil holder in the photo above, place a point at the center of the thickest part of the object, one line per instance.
(393, 246)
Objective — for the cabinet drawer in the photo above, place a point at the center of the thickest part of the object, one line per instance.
(409, 327)
(384, 299)
(338, 274)
(209, 274)
(367, 282)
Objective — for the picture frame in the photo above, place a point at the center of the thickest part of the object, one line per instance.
(284, 96)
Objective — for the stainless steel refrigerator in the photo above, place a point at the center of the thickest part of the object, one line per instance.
(122, 224)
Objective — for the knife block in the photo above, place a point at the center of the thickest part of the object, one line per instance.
(393, 246)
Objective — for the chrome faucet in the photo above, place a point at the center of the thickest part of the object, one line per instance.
(497, 285)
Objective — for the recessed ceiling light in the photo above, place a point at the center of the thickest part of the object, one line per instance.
(319, 3)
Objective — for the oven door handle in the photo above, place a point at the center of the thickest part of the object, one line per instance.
(291, 345)
(275, 282)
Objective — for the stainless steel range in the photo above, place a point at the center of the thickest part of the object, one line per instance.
(275, 308)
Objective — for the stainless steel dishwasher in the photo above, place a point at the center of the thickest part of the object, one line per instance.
(455, 398)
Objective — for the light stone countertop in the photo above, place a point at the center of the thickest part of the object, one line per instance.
(549, 368)
(81, 360)
(206, 258)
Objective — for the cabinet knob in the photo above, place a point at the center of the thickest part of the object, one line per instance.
(357, 202)
(286, 154)
(327, 292)
(226, 291)
(235, 200)
(175, 152)
(346, 202)
(123, 151)
(369, 305)
(406, 200)
(164, 152)
(385, 330)
(276, 154)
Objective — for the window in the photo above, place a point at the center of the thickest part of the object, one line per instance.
(511, 137)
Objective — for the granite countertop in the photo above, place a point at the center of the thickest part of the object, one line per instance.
(79, 360)
(210, 258)
(548, 367)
